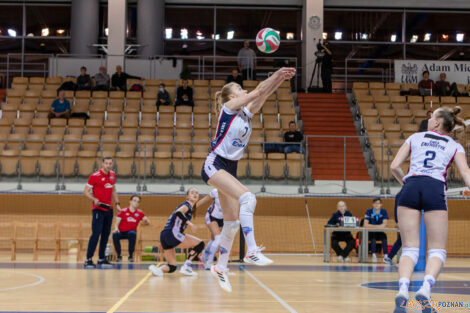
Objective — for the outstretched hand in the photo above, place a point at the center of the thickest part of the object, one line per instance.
(466, 193)
(287, 72)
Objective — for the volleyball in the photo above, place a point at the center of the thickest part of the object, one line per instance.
(267, 40)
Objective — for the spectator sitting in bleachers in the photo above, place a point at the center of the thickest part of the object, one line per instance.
(425, 85)
(235, 77)
(377, 217)
(293, 135)
(338, 236)
(102, 80)
(60, 107)
(119, 79)
(83, 80)
(163, 96)
(184, 95)
(444, 88)
(423, 127)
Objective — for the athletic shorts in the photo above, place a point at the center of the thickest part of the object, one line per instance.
(214, 163)
(168, 240)
(210, 218)
(397, 198)
(423, 193)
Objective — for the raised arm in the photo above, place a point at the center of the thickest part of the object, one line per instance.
(401, 156)
(269, 86)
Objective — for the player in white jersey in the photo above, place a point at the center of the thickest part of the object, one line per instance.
(236, 108)
(214, 221)
(424, 188)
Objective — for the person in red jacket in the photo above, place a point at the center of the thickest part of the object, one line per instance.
(126, 227)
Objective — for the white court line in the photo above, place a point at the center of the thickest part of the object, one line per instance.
(275, 296)
(40, 281)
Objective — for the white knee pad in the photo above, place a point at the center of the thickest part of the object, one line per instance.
(230, 228)
(247, 203)
(438, 253)
(411, 252)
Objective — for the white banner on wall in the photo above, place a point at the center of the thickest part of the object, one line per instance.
(410, 71)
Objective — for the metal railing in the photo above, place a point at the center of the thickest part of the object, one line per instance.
(140, 163)
(366, 69)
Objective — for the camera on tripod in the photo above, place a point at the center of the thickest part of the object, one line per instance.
(320, 53)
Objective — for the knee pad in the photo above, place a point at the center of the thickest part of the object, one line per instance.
(172, 268)
(411, 252)
(247, 203)
(438, 253)
(198, 248)
(230, 228)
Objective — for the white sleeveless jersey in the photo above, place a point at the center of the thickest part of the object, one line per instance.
(431, 154)
(215, 210)
(233, 133)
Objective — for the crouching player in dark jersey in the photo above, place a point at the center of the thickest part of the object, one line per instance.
(172, 236)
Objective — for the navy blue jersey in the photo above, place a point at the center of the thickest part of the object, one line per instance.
(175, 224)
(376, 218)
(336, 217)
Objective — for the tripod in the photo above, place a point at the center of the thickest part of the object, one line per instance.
(316, 70)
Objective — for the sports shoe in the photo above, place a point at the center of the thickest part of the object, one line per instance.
(156, 271)
(187, 270)
(222, 278)
(340, 258)
(130, 259)
(118, 259)
(425, 300)
(388, 261)
(346, 259)
(401, 299)
(89, 264)
(103, 263)
(257, 258)
(374, 258)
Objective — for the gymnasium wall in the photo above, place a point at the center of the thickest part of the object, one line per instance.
(281, 223)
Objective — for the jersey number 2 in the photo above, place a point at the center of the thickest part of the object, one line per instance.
(431, 155)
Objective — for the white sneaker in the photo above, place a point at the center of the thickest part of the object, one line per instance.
(340, 258)
(346, 259)
(257, 258)
(187, 270)
(401, 299)
(374, 258)
(222, 278)
(424, 298)
(156, 271)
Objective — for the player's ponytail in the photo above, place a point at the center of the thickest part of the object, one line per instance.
(222, 96)
(450, 118)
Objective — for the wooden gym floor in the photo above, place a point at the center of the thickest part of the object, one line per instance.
(292, 284)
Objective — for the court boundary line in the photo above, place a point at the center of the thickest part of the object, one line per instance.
(272, 293)
(128, 294)
(40, 281)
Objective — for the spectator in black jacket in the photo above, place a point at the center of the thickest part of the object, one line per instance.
(163, 96)
(83, 80)
(184, 95)
(293, 135)
(423, 127)
(119, 79)
(235, 77)
(338, 236)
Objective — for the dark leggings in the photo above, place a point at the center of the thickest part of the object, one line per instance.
(100, 226)
(131, 235)
(395, 248)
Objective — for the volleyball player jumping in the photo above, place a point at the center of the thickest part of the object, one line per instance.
(235, 108)
(431, 154)
(173, 236)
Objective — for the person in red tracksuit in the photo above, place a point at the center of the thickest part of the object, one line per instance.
(101, 190)
(126, 227)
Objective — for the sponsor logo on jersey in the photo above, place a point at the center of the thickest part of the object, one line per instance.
(238, 143)
(131, 219)
(108, 185)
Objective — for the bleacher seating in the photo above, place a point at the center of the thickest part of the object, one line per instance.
(386, 113)
(129, 127)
